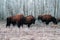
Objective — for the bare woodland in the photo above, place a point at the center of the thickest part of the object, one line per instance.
(29, 7)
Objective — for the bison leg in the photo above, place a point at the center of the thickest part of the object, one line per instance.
(47, 22)
(13, 23)
(18, 25)
(22, 25)
(29, 25)
(8, 22)
(33, 21)
(7, 25)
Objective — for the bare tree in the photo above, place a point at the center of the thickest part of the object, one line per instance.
(34, 8)
(42, 8)
(57, 7)
(24, 9)
(54, 7)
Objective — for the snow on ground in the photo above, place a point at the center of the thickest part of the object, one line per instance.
(35, 32)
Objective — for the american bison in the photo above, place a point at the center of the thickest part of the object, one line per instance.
(47, 18)
(29, 20)
(17, 19)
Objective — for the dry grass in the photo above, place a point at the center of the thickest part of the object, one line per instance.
(35, 32)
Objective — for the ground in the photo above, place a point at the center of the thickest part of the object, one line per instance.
(38, 31)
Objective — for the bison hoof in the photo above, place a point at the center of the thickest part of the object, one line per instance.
(28, 26)
(7, 26)
(47, 23)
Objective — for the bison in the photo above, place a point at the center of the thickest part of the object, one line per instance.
(47, 18)
(17, 19)
(28, 20)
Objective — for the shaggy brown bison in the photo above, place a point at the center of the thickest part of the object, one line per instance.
(17, 19)
(47, 19)
(29, 20)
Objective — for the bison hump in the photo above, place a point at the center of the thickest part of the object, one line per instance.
(47, 17)
(29, 18)
(17, 17)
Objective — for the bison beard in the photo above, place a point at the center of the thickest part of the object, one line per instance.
(47, 19)
(17, 19)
